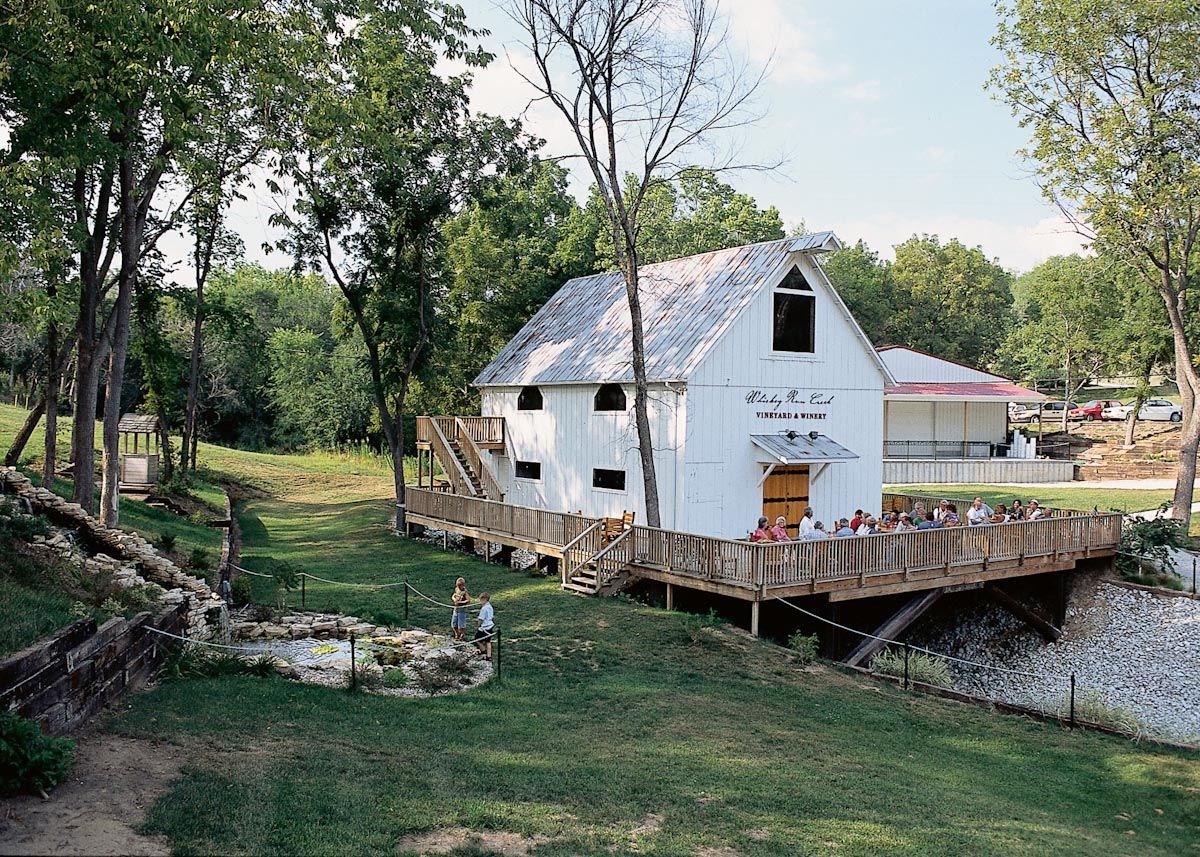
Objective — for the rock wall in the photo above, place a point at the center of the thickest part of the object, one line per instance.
(206, 615)
(62, 680)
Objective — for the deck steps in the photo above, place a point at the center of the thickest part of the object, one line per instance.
(893, 626)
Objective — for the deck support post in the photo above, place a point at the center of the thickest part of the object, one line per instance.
(754, 609)
(445, 540)
(670, 596)
(468, 544)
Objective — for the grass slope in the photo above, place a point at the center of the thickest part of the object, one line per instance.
(1085, 498)
(28, 613)
(612, 732)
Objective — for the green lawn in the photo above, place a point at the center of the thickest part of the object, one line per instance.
(1085, 498)
(612, 732)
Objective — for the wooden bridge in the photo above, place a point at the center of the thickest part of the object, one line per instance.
(840, 569)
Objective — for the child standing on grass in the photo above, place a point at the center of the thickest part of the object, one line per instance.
(458, 616)
(487, 627)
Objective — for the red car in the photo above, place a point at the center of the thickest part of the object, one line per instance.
(1091, 410)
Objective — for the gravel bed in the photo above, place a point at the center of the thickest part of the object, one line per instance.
(1137, 650)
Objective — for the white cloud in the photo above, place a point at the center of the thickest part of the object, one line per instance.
(1019, 247)
(768, 31)
(864, 90)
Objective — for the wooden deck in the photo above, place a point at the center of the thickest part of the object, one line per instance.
(841, 569)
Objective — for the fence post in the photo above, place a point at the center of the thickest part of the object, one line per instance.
(302, 593)
(1193, 575)
(498, 677)
(906, 650)
(353, 665)
(1072, 700)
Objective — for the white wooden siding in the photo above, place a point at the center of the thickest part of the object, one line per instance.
(985, 421)
(908, 365)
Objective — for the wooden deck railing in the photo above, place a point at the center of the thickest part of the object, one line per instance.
(523, 522)
(484, 431)
(440, 445)
(766, 566)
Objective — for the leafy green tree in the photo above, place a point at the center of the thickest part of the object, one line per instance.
(865, 284)
(506, 253)
(383, 150)
(1067, 312)
(1110, 93)
(950, 300)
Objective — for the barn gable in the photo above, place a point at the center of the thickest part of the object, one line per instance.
(582, 334)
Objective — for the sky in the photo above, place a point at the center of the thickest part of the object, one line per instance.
(879, 109)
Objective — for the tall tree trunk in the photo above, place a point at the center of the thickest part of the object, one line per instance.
(164, 440)
(23, 434)
(641, 396)
(50, 458)
(1188, 381)
(202, 258)
(130, 244)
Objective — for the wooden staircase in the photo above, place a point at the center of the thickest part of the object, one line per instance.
(595, 563)
(462, 458)
(473, 477)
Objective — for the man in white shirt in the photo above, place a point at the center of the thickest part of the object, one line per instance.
(942, 510)
(806, 523)
(1035, 512)
(979, 513)
(487, 627)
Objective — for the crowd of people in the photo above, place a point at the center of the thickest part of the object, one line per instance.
(944, 514)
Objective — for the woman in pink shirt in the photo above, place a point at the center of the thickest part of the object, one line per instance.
(779, 531)
(762, 534)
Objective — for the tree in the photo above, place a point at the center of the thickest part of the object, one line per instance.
(865, 284)
(1067, 312)
(505, 254)
(650, 81)
(383, 150)
(953, 300)
(1110, 92)
(106, 97)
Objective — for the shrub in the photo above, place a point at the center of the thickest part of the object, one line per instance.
(1149, 543)
(198, 559)
(16, 525)
(195, 661)
(805, 646)
(243, 590)
(396, 678)
(29, 760)
(1093, 708)
(921, 667)
(138, 598)
(166, 542)
(112, 607)
(695, 626)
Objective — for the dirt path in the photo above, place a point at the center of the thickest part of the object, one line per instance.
(97, 810)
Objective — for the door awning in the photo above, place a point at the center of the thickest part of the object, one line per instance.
(800, 448)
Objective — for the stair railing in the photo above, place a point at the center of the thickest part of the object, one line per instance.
(450, 463)
(607, 566)
(580, 550)
(474, 455)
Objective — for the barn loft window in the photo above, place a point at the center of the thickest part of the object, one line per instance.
(529, 469)
(529, 399)
(610, 397)
(795, 319)
(612, 479)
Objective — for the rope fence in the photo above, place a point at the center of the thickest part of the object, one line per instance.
(1044, 706)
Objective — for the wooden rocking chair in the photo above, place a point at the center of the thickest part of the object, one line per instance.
(613, 527)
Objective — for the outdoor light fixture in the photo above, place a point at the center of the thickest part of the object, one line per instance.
(791, 434)
(813, 435)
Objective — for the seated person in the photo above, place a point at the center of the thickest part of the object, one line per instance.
(816, 533)
(843, 529)
(905, 524)
(762, 534)
(930, 522)
(1016, 512)
(1000, 516)
(779, 532)
(1035, 511)
(869, 527)
(857, 520)
(979, 513)
(942, 510)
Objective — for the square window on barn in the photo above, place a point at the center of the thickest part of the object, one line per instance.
(610, 397)
(529, 470)
(529, 399)
(794, 326)
(611, 479)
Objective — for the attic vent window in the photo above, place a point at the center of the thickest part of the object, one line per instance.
(610, 397)
(529, 399)
(795, 315)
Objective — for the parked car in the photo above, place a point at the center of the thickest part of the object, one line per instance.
(1093, 410)
(1049, 411)
(1022, 413)
(1161, 410)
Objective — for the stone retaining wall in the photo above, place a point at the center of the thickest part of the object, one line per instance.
(206, 612)
(64, 679)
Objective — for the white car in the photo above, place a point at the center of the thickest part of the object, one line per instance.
(1159, 410)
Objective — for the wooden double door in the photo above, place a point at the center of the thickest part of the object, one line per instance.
(785, 492)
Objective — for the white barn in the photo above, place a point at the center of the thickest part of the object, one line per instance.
(766, 396)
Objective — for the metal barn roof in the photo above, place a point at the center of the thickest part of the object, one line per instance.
(582, 334)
